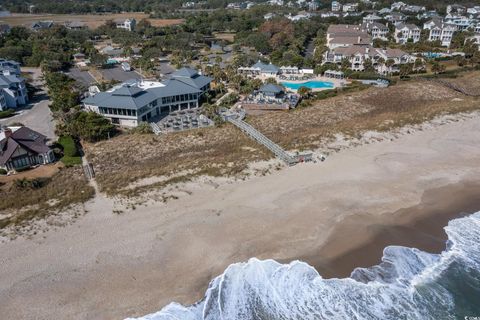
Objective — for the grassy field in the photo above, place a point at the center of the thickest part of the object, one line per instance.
(227, 36)
(91, 20)
(225, 151)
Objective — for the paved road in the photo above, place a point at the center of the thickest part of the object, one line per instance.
(118, 74)
(37, 114)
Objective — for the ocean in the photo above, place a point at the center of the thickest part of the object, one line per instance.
(407, 284)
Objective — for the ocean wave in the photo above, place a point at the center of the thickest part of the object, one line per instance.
(407, 284)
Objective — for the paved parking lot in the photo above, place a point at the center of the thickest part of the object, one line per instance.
(118, 74)
(82, 77)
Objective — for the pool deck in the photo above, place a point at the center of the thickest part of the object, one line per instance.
(336, 83)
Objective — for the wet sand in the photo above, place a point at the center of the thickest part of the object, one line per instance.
(420, 226)
(336, 215)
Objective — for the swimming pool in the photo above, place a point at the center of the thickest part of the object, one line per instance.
(313, 84)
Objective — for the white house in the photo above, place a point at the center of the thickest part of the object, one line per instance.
(350, 7)
(127, 24)
(395, 17)
(13, 90)
(336, 6)
(440, 31)
(377, 30)
(384, 61)
(260, 69)
(371, 18)
(407, 33)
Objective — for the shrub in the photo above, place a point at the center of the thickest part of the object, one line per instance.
(3, 171)
(71, 155)
(6, 113)
(142, 128)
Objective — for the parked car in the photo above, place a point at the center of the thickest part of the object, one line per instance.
(126, 66)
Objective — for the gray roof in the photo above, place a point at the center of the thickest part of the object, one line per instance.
(271, 88)
(42, 25)
(191, 77)
(7, 81)
(125, 97)
(265, 67)
(174, 87)
(130, 96)
(185, 72)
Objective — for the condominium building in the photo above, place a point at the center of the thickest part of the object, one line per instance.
(407, 33)
(384, 61)
(344, 35)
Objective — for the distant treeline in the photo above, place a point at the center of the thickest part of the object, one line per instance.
(157, 6)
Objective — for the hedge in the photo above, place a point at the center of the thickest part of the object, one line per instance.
(71, 155)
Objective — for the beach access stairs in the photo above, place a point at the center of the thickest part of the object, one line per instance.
(155, 128)
(237, 120)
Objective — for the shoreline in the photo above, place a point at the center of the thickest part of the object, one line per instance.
(420, 226)
(113, 266)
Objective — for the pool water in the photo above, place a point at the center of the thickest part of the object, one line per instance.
(313, 84)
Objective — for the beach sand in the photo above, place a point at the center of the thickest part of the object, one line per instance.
(336, 215)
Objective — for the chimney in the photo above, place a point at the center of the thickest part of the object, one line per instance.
(8, 132)
(359, 39)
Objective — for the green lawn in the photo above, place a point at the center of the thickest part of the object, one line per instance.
(6, 113)
(71, 156)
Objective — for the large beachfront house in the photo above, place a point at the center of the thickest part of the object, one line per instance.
(22, 147)
(384, 61)
(13, 92)
(376, 30)
(440, 31)
(134, 102)
(407, 33)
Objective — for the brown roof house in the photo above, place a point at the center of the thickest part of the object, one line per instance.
(21, 147)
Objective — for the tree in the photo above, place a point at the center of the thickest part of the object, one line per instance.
(405, 69)
(438, 68)
(304, 92)
(389, 64)
(368, 65)
(89, 126)
(345, 64)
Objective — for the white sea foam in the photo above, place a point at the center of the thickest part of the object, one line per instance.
(407, 284)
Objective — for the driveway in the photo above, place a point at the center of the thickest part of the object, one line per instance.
(36, 115)
(118, 74)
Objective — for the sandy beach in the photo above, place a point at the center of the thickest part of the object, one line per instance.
(335, 215)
